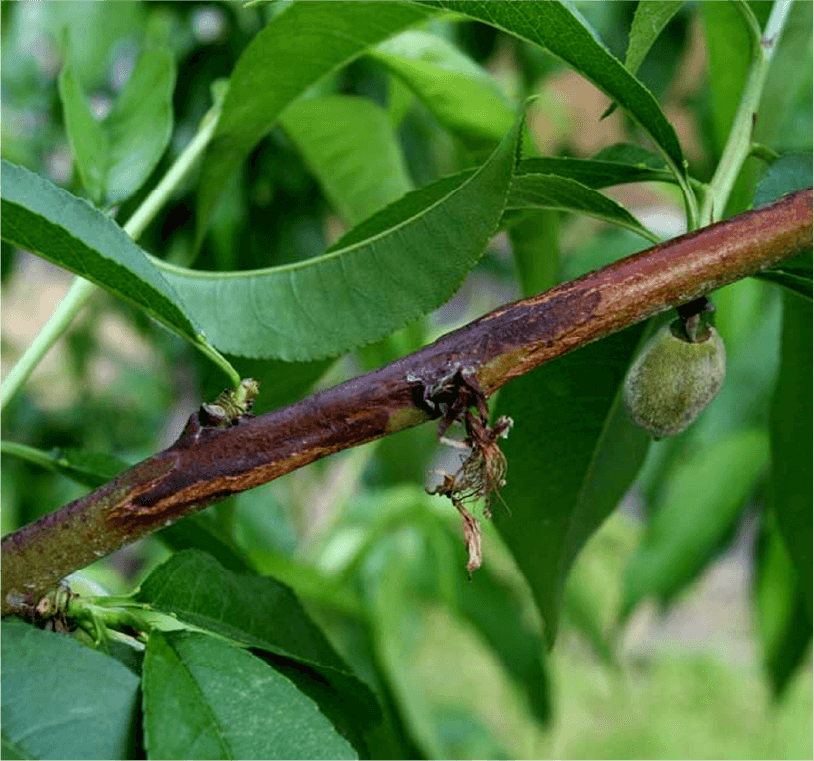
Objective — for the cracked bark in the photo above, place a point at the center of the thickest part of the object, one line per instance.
(207, 464)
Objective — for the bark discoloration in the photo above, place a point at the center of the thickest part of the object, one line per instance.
(460, 370)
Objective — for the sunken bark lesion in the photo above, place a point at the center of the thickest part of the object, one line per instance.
(448, 380)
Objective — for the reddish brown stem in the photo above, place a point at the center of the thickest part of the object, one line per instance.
(209, 464)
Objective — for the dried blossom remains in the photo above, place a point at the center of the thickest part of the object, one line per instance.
(483, 473)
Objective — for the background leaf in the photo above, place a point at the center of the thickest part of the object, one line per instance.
(252, 610)
(648, 22)
(48, 221)
(139, 125)
(399, 264)
(436, 636)
(115, 156)
(535, 248)
(787, 174)
(64, 700)
(448, 684)
(695, 515)
(205, 698)
(87, 468)
(547, 191)
(557, 29)
(464, 98)
(350, 146)
(201, 532)
(89, 31)
(791, 440)
(297, 48)
(89, 142)
(396, 533)
(593, 173)
(572, 455)
(782, 615)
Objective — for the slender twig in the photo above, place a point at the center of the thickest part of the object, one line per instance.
(739, 142)
(209, 463)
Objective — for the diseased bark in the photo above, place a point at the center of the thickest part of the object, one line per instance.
(207, 464)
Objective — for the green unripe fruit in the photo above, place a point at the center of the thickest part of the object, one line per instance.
(673, 379)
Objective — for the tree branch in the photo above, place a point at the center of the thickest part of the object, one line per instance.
(207, 464)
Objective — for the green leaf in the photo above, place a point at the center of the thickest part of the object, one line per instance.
(558, 29)
(115, 157)
(88, 139)
(786, 175)
(649, 20)
(64, 700)
(249, 609)
(50, 222)
(464, 97)
(299, 46)
(11, 750)
(452, 690)
(402, 262)
(200, 532)
(782, 617)
(572, 455)
(729, 42)
(349, 704)
(791, 444)
(350, 146)
(205, 698)
(592, 173)
(699, 508)
(87, 33)
(536, 246)
(87, 468)
(499, 616)
(262, 613)
(139, 125)
(546, 191)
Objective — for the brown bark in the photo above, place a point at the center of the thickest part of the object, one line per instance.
(207, 464)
